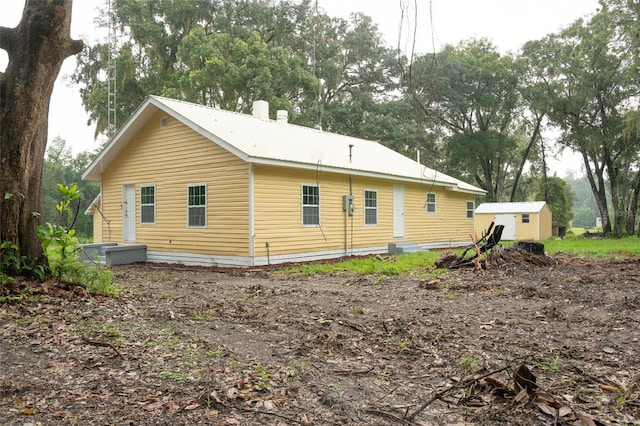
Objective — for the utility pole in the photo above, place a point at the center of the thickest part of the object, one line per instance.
(112, 42)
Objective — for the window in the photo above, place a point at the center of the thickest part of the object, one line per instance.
(470, 209)
(310, 205)
(197, 206)
(148, 204)
(431, 202)
(370, 207)
(525, 217)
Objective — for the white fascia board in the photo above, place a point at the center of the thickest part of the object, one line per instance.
(338, 170)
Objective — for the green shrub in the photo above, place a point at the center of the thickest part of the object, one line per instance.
(62, 249)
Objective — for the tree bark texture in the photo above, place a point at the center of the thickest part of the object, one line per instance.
(36, 49)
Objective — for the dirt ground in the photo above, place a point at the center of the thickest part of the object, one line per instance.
(182, 346)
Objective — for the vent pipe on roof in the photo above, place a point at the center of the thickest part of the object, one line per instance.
(282, 116)
(261, 110)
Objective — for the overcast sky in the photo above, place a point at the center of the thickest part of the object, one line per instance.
(508, 23)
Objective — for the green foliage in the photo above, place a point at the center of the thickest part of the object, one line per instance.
(471, 90)
(553, 366)
(61, 167)
(591, 77)
(585, 217)
(9, 261)
(62, 250)
(559, 196)
(468, 363)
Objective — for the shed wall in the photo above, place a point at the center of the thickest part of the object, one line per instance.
(538, 228)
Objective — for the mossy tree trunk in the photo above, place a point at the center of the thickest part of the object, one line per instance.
(36, 49)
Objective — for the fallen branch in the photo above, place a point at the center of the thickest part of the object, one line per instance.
(353, 372)
(489, 239)
(465, 384)
(103, 345)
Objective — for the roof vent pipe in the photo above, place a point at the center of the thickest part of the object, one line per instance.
(261, 110)
(282, 116)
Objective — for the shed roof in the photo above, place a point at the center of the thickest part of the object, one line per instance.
(272, 142)
(519, 207)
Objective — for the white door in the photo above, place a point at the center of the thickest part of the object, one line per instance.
(129, 213)
(398, 211)
(509, 222)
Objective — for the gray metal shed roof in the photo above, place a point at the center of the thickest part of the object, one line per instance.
(518, 207)
(273, 142)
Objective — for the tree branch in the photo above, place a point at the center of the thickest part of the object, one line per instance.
(8, 39)
(75, 47)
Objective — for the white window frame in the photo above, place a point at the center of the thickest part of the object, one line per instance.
(304, 206)
(528, 218)
(370, 208)
(142, 204)
(189, 207)
(431, 205)
(471, 212)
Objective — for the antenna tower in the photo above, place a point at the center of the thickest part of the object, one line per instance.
(112, 41)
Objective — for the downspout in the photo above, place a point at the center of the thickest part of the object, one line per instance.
(100, 214)
(350, 212)
(346, 210)
(252, 236)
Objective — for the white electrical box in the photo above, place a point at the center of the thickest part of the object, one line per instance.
(347, 204)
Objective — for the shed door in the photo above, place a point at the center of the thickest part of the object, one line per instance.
(509, 222)
(398, 211)
(129, 213)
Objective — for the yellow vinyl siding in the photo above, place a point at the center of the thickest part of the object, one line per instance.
(278, 212)
(448, 223)
(171, 158)
(482, 221)
(527, 231)
(96, 217)
(546, 225)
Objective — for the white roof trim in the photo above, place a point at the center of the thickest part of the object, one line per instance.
(94, 205)
(515, 207)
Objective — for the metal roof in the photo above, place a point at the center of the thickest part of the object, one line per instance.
(262, 141)
(518, 207)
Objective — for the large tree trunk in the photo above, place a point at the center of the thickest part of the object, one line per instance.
(36, 49)
(525, 157)
(632, 216)
(598, 189)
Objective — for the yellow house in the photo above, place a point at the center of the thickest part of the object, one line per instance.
(199, 185)
(522, 220)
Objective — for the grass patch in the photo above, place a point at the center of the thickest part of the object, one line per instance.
(594, 247)
(379, 265)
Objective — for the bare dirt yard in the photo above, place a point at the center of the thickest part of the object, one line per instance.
(181, 346)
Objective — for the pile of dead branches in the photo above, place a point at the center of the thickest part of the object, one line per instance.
(485, 252)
